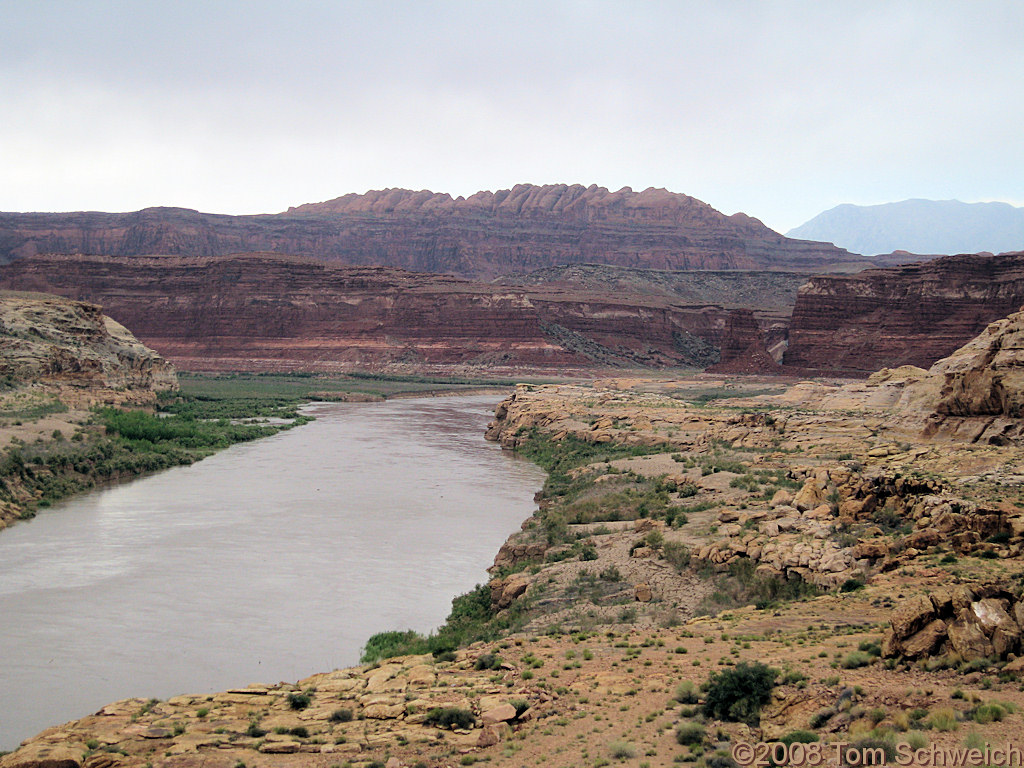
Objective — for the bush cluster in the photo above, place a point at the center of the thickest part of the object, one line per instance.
(739, 693)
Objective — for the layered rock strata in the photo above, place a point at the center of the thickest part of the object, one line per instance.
(488, 234)
(907, 315)
(269, 312)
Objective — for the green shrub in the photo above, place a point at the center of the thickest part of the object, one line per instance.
(988, 713)
(654, 539)
(342, 715)
(622, 750)
(690, 733)
(739, 693)
(677, 554)
(856, 659)
(450, 717)
(688, 489)
(384, 645)
(872, 647)
(300, 731)
(299, 700)
(719, 759)
(254, 731)
(686, 693)
(916, 740)
(943, 720)
(487, 661)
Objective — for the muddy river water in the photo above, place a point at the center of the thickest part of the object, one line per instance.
(269, 561)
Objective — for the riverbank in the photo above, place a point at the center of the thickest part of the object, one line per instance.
(264, 561)
(109, 445)
(687, 534)
(51, 451)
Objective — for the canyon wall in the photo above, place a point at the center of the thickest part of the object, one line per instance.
(272, 312)
(909, 315)
(481, 237)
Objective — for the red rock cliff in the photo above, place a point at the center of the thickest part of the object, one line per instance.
(913, 314)
(488, 234)
(270, 312)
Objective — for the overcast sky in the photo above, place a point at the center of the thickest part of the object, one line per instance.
(777, 109)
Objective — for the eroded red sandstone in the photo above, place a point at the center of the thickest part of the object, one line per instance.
(272, 312)
(488, 234)
(909, 315)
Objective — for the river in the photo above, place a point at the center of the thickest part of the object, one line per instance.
(269, 561)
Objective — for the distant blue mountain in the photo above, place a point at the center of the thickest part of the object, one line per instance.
(919, 226)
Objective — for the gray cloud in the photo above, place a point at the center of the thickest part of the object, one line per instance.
(779, 109)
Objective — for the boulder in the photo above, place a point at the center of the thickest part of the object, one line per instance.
(505, 591)
(809, 497)
(642, 593)
(279, 747)
(969, 641)
(925, 642)
(493, 734)
(499, 714)
(872, 550)
(382, 679)
(383, 711)
(1015, 667)
(421, 676)
(997, 624)
(911, 615)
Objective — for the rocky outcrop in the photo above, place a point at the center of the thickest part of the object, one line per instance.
(72, 348)
(796, 535)
(913, 314)
(985, 377)
(972, 622)
(974, 394)
(488, 234)
(357, 713)
(270, 312)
